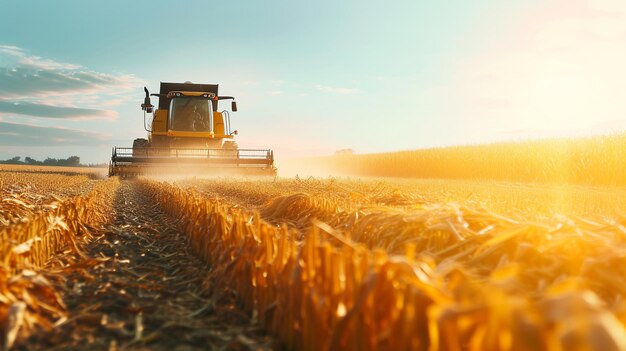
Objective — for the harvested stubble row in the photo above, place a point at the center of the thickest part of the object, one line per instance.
(534, 253)
(26, 298)
(511, 199)
(544, 248)
(346, 194)
(25, 191)
(328, 292)
(296, 201)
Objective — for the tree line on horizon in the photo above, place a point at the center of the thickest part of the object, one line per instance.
(72, 161)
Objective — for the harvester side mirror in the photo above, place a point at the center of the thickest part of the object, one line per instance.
(235, 132)
(233, 106)
(147, 106)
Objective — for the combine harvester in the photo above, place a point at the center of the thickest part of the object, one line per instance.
(187, 135)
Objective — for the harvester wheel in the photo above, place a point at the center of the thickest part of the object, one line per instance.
(230, 145)
(140, 143)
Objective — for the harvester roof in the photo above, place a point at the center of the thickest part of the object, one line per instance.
(164, 101)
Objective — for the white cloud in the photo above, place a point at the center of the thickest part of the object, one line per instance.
(19, 134)
(49, 111)
(335, 90)
(47, 88)
(20, 57)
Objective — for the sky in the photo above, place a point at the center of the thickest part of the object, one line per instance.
(311, 78)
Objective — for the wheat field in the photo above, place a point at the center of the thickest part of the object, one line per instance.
(596, 160)
(459, 257)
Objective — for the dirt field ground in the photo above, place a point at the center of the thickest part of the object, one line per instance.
(138, 284)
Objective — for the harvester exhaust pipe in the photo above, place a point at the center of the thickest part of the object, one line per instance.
(147, 105)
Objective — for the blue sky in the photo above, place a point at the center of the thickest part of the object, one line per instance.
(313, 77)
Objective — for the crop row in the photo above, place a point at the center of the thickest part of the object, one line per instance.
(523, 286)
(25, 191)
(543, 249)
(27, 298)
(512, 199)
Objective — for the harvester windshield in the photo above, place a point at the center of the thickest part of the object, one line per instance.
(191, 114)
